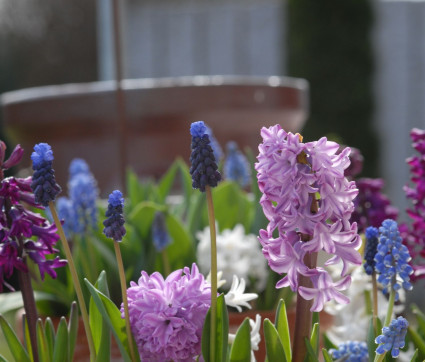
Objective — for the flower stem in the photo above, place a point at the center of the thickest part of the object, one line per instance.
(375, 303)
(76, 281)
(30, 309)
(213, 314)
(304, 316)
(165, 262)
(124, 298)
(389, 315)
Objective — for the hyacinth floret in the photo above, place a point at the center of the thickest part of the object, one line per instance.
(391, 259)
(160, 236)
(167, 315)
(217, 150)
(114, 224)
(43, 180)
(370, 249)
(308, 201)
(203, 163)
(351, 351)
(78, 166)
(392, 337)
(236, 166)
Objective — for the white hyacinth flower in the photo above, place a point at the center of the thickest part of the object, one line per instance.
(236, 296)
(220, 282)
(237, 253)
(255, 335)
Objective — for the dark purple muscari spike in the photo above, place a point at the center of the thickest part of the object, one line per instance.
(203, 168)
(114, 224)
(43, 180)
(372, 241)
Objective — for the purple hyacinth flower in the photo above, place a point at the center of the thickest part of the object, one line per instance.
(114, 224)
(167, 315)
(43, 181)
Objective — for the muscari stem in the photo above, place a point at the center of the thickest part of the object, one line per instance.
(124, 298)
(165, 262)
(213, 313)
(76, 281)
(304, 316)
(375, 303)
(30, 309)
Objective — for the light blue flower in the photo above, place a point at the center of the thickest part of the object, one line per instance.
(236, 166)
(392, 337)
(351, 351)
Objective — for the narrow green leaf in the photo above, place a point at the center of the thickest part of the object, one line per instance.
(222, 332)
(314, 339)
(274, 348)
(241, 347)
(420, 317)
(60, 350)
(312, 356)
(72, 330)
(327, 357)
(27, 339)
(282, 327)
(371, 345)
(49, 332)
(328, 343)
(417, 339)
(43, 349)
(166, 182)
(112, 316)
(415, 356)
(134, 188)
(2, 359)
(315, 319)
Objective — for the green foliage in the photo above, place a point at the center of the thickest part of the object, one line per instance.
(329, 44)
(241, 347)
(274, 347)
(282, 327)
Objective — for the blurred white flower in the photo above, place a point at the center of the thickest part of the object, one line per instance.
(237, 254)
(255, 335)
(236, 297)
(220, 282)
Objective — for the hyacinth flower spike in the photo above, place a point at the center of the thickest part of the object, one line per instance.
(161, 239)
(115, 230)
(45, 191)
(391, 339)
(204, 176)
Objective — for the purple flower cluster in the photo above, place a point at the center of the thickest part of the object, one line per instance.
(22, 232)
(167, 316)
(309, 202)
(414, 236)
(371, 206)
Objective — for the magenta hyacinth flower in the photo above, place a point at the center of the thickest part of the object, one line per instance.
(308, 202)
(167, 315)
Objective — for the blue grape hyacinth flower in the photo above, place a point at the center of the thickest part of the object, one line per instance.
(203, 164)
(392, 337)
(391, 259)
(351, 351)
(114, 224)
(43, 182)
(370, 250)
(160, 236)
(236, 166)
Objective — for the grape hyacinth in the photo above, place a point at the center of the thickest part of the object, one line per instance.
(351, 351)
(391, 259)
(308, 201)
(218, 152)
(414, 234)
(392, 337)
(236, 166)
(371, 206)
(167, 316)
(203, 163)
(114, 224)
(160, 236)
(370, 249)
(43, 180)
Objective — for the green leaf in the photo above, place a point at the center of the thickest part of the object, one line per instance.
(328, 343)
(49, 332)
(420, 317)
(60, 351)
(141, 217)
(72, 330)
(166, 182)
(371, 345)
(312, 356)
(327, 357)
(15, 346)
(416, 339)
(415, 356)
(282, 327)
(222, 332)
(13, 301)
(314, 339)
(43, 348)
(134, 188)
(241, 347)
(112, 316)
(27, 339)
(2, 359)
(274, 348)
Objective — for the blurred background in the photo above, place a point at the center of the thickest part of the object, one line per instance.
(364, 61)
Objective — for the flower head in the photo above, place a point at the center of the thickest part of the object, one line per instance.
(160, 236)
(236, 296)
(167, 316)
(370, 250)
(77, 166)
(114, 224)
(236, 166)
(392, 337)
(43, 181)
(351, 351)
(391, 259)
(203, 163)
